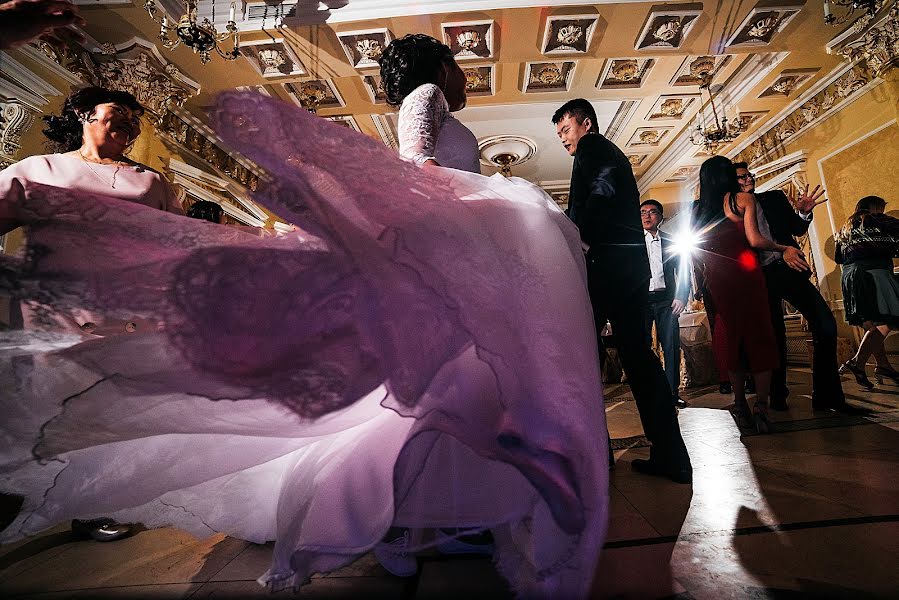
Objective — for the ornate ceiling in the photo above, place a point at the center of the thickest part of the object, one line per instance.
(640, 64)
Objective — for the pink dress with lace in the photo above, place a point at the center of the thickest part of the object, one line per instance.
(307, 388)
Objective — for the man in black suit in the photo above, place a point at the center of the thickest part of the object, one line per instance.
(605, 205)
(795, 287)
(669, 289)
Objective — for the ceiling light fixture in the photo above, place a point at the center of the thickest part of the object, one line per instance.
(719, 131)
(202, 38)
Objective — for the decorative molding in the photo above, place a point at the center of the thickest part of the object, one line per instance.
(348, 121)
(624, 73)
(761, 25)
(372, 83)
(667, 26)
(203, 186)
(363, 48)
(568, 34)
(469, 40)
(367, 10)
(19, 82)
(878, 45)
(386, 131)
(16, 119)
(850, 83)
(623, 115)
(45, 54)
(683, 173)
(272, 58)
(548, 76)
(636, 160)
(788, 82)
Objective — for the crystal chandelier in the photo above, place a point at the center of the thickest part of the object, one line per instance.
(716, 132)
(849, 8)
(202, 38)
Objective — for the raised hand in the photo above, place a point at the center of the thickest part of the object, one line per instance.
(806, 201)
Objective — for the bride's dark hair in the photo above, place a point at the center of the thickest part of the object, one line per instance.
(717, 177)
(65, 132)
(409, 62)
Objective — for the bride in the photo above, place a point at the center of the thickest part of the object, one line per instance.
(310, 388)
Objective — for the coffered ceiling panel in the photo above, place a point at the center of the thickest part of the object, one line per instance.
(568, 34)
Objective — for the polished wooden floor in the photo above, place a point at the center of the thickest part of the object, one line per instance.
(811, 510)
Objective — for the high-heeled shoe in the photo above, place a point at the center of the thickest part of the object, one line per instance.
(860, 377)
(760, 419)
(880, 373)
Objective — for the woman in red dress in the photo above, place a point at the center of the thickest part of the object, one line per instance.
(743, 338)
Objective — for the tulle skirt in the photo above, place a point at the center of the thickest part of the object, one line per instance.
(420, 352)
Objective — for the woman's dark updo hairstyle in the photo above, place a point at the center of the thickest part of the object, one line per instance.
(409, 62)
(64, 131)
(717, 177)
(206, 210)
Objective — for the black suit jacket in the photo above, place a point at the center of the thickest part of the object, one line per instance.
(605, 205)
(782, 218)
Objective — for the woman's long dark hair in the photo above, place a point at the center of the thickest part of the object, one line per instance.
(717, 177)
(863, 208)
(409, 62)
(65, 131)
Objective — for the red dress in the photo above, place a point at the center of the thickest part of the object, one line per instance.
(743, 338)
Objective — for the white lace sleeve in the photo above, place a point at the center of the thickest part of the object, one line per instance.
(421, 116)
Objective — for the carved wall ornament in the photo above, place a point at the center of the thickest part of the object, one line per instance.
(878, 46)
(623, 73)
(472, 40)
(15, 120)
(844, 87)
(373, 86)
(569, 34)
(667, 27)
(788, 82)
(671, 107)
(548, 76)
(315, 94)
(649, 136)
(479, 80)
(683, 173)
(694, 68)
(762, 24)
(363, 48)
(272, 58)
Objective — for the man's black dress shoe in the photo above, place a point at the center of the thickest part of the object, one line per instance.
(651, 467)
(750, 385)
(680, 402)
(843, 408)
(725, 388)
(102, 530)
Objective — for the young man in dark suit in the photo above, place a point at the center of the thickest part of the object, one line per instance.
(785, 222)
(605, 205)
(669, 290)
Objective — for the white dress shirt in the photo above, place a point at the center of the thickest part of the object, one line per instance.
(657, 272)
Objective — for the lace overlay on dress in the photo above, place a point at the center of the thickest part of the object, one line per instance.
(427, 131)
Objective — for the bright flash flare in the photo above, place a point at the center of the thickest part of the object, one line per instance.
(685, 243)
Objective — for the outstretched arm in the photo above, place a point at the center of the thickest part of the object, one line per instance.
(792, 256)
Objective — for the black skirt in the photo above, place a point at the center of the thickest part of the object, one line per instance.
(871, 292)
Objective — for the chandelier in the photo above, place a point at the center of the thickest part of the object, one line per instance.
(202, 38)
(849, 8)
(716, 132)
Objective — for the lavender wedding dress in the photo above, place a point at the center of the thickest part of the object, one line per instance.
(308, 388)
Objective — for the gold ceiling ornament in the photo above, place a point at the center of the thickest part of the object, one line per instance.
(468, 40)
(473, 79)
(311, 96)
(570, 34)
(667, 30)
(703, 67)
(879, 46)
(549, 75)
(650, 137)
(625, 70)
(635, 159)
(505, 161)
(851, 10)
(201, 37)
(272, 59)
(785, 85)
(370, 49)
(715, 132)
(672, 107)
(763, 26)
